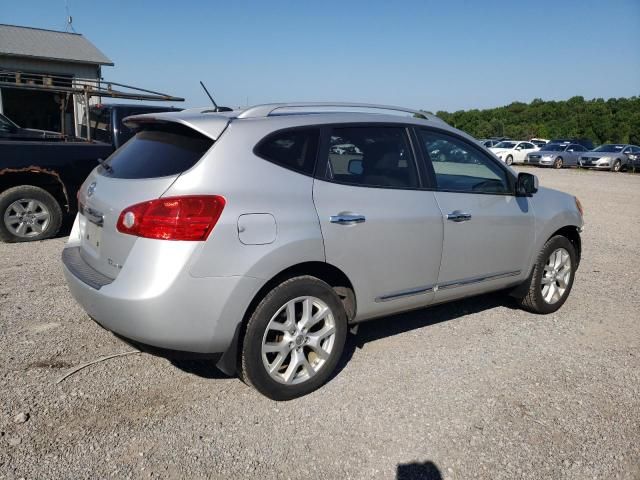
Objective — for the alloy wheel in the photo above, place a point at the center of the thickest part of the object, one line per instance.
(298, 340)
(556, 276)
(27, 218)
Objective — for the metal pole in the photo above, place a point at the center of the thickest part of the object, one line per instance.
(86, 112)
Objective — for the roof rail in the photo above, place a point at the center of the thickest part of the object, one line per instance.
(268, 109)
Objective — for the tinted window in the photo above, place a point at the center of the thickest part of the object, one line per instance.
(528, 146)
(295, 149)
(372, 156)
(158, 152)
(100, 122)
(460, 167)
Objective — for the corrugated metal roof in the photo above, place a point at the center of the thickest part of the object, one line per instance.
(49, 44)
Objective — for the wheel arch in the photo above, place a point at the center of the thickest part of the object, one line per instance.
(36, 177)
(572, 233)
(324, 271)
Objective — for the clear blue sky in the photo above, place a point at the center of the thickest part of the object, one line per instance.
(436, 55)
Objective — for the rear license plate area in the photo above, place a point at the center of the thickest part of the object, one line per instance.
(91, 235)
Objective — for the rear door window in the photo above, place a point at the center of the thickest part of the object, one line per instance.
(294, 149)
(371, 156)
(158, 151)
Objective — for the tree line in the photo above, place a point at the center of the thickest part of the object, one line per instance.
(616, 120)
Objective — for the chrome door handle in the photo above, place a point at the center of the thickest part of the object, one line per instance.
(458, 216)
(347, 219)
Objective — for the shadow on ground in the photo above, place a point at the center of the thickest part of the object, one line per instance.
(418, 471)
(397, 324)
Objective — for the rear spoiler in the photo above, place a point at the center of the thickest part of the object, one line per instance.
(210, 126)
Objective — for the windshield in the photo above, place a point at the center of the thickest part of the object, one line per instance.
(553, 147)
(613, 148)
(505, 145)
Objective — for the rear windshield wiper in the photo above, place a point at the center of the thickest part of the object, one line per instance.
(103, 163)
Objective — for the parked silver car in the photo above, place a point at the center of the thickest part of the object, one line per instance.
(610, 156)
(246, 233)
(556, 155)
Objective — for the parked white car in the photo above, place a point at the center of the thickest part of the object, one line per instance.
(511, 151)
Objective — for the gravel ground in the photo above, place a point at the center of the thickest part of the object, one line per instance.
(475, 389)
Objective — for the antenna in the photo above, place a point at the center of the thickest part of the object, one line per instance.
(215, 105)
(209, 95)
(69, 25)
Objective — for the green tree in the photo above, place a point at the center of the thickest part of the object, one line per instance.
(612, 120)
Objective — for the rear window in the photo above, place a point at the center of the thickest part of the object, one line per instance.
(100, 122)
(158, 151)
(293, 149)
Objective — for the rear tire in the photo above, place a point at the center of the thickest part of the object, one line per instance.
(294, 339)
(551, 282)
(28, 214)
(508, 160)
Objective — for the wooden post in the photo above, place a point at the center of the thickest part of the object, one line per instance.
(86, 112)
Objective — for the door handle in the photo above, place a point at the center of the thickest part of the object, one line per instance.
(458, 216)
(347, 219)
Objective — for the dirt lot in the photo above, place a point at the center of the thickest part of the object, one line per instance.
(477, 389)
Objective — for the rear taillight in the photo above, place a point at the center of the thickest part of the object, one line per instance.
(173, 218)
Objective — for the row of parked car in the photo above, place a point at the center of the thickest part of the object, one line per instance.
(561, 153)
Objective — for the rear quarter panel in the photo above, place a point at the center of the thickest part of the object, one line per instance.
(252, 185)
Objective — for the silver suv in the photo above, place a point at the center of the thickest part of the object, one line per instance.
(265, 234)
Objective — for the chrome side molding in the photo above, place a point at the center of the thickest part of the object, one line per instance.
(405, 293)
(484, 278)
(445, 286)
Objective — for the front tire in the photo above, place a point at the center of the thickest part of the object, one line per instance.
(558, 163)
(508, 160)
(616, 166)
(294, 339)
(28, 214)
(552, 277)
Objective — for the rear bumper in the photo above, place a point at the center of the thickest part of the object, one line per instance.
(177, 312)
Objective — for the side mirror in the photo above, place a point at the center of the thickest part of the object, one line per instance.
(355, 167)
(526, 184)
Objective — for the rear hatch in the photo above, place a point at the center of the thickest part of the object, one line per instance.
(141, 170)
